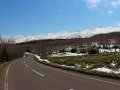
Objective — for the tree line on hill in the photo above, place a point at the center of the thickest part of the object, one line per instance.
(10, 50)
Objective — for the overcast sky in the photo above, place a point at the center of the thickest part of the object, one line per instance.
(49, 16)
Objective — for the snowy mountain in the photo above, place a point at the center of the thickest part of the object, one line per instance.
(61, 35)
(66, 35)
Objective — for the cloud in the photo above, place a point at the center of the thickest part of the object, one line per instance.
(98, 30)
(105, 30)
(115, 3)
(118, 24)
(104, 6)
(92, 4)
(102, 30)
(109, 11)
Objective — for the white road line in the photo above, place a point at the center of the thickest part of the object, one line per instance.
(24, 62)
(26, 65)
(71, 89)
(38, 73)
(82, 76)
(6, 78)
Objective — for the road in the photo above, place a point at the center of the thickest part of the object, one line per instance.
(27, 74)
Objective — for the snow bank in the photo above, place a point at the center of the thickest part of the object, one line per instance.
(38, 57)
(66, 54)
(27, 53)
(67, 66)
(107, 70)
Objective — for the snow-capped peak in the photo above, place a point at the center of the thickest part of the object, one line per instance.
(66, 35)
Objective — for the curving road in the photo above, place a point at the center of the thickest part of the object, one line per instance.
(26, 74)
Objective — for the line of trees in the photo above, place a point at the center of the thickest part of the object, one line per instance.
(8, 50)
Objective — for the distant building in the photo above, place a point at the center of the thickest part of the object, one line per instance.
(108, 50)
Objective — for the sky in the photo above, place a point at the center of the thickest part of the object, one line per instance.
(33, 17)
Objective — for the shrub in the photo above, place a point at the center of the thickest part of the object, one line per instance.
(73, 50)
(93, 51)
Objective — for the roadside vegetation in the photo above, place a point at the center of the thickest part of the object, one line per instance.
(96, 58)
(105, 65)
(3, 64)
(7, 51)
(111, 61)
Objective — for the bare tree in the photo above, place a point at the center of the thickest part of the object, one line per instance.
(11, 41)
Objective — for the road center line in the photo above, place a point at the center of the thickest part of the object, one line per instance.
(24, 62)
(118, 84)
(71, 89)
(38, 73)
(26, 65)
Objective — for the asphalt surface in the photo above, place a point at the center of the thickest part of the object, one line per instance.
(27, 74)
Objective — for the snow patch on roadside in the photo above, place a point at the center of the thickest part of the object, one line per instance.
(107, 70)
(67, 66)
(27, 53)
(100, 69)
(38, 57)
(66, 54)
(113, 64)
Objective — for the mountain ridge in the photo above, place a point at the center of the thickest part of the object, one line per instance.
(66, 35)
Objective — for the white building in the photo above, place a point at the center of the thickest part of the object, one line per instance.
(108, 50)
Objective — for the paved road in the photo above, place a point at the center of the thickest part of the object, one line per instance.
(26, 74)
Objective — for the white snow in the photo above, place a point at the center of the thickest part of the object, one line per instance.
(66, 54)
(77, 65)
(37, 56)
(102, 69)
(45, 60)
(67, 66)
(107, 70)
(67, 35)
(61, 35)
(27, 53)
(113, 64)
(88, 66)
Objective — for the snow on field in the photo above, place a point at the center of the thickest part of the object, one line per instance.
(27, 53)
(107, 70)
(77, 65)
(45, 60)
(103, 69)
(113, 64)
(67, 66)
(66, 54)
(38, 57)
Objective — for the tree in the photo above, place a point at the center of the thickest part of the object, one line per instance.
(115, 47)
(62, 50)
(5, 54)
(28, 50)
(73, 50)
(93, 51)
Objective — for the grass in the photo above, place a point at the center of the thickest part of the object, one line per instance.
(95, 61)
(3, 64)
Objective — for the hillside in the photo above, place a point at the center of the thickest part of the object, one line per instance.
(86, 33)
